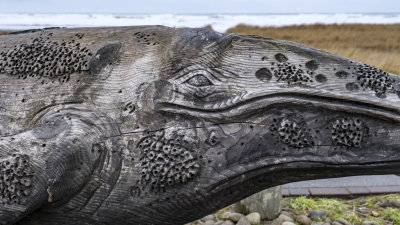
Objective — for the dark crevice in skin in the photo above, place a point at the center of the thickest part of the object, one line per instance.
(231, 190)
(215, 192)
(187, 128)
(42, 111)
(361, 107)
(324, 165)
(37, 116)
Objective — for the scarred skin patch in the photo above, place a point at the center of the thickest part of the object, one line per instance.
(166, 162)
(15, 179)
(45, 58)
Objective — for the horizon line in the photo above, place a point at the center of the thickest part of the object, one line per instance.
(191, 13)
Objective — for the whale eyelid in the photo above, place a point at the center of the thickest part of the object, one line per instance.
(199, 80)
(214, 73)
(194, 73)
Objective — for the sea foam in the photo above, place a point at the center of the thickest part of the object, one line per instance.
(219, 22)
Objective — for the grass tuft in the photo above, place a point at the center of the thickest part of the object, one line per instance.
(355, 210)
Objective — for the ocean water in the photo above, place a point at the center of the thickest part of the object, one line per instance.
(219, 22)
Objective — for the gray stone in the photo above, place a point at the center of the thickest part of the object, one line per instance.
(277, 221)
(317, 215)
(370, 223)
(336, 223)
(243, 221)
(302, 219)
(219, 222)
(209, 217)
(228, 222)
(285, 218)
(318, 223)
(254, 218)
(288, 223)
(389, 203)
(266, 202)
(235, 217)
(266, 222)
(225, 215)
(209, 222)
(343, 221)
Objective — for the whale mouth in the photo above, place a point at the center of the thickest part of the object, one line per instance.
(260, 103)
(266, 176)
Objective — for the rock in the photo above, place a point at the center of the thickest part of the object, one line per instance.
(235, 217)
(325, 223)
(374, 213)
(318, 223)
(231, 216)
(225, 215)
(243, 221)
(277, 221)
(266, 222)
(303, 219)
(209, 222)
(209, 217)
(363, 210)
(254, 218)
(327, 220)
(227, 222)
(343, 221)
(317, 215)
(219, 222)
(285, 218)
(287, 214)
(288, 223)
(389, 203)
(267, 203)
(336, 223)
(370, 223)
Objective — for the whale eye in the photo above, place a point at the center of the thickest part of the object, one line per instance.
(199, 81)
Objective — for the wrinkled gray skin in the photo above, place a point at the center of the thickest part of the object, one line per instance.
(157, 125)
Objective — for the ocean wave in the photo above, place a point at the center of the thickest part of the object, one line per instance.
(219, 22)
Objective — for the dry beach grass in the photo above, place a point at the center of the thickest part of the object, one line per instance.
(377, 45)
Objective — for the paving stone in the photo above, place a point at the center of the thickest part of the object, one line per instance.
(328, 191)
(384, 189)
(299, 191)
(358, 190)
(285, 192)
